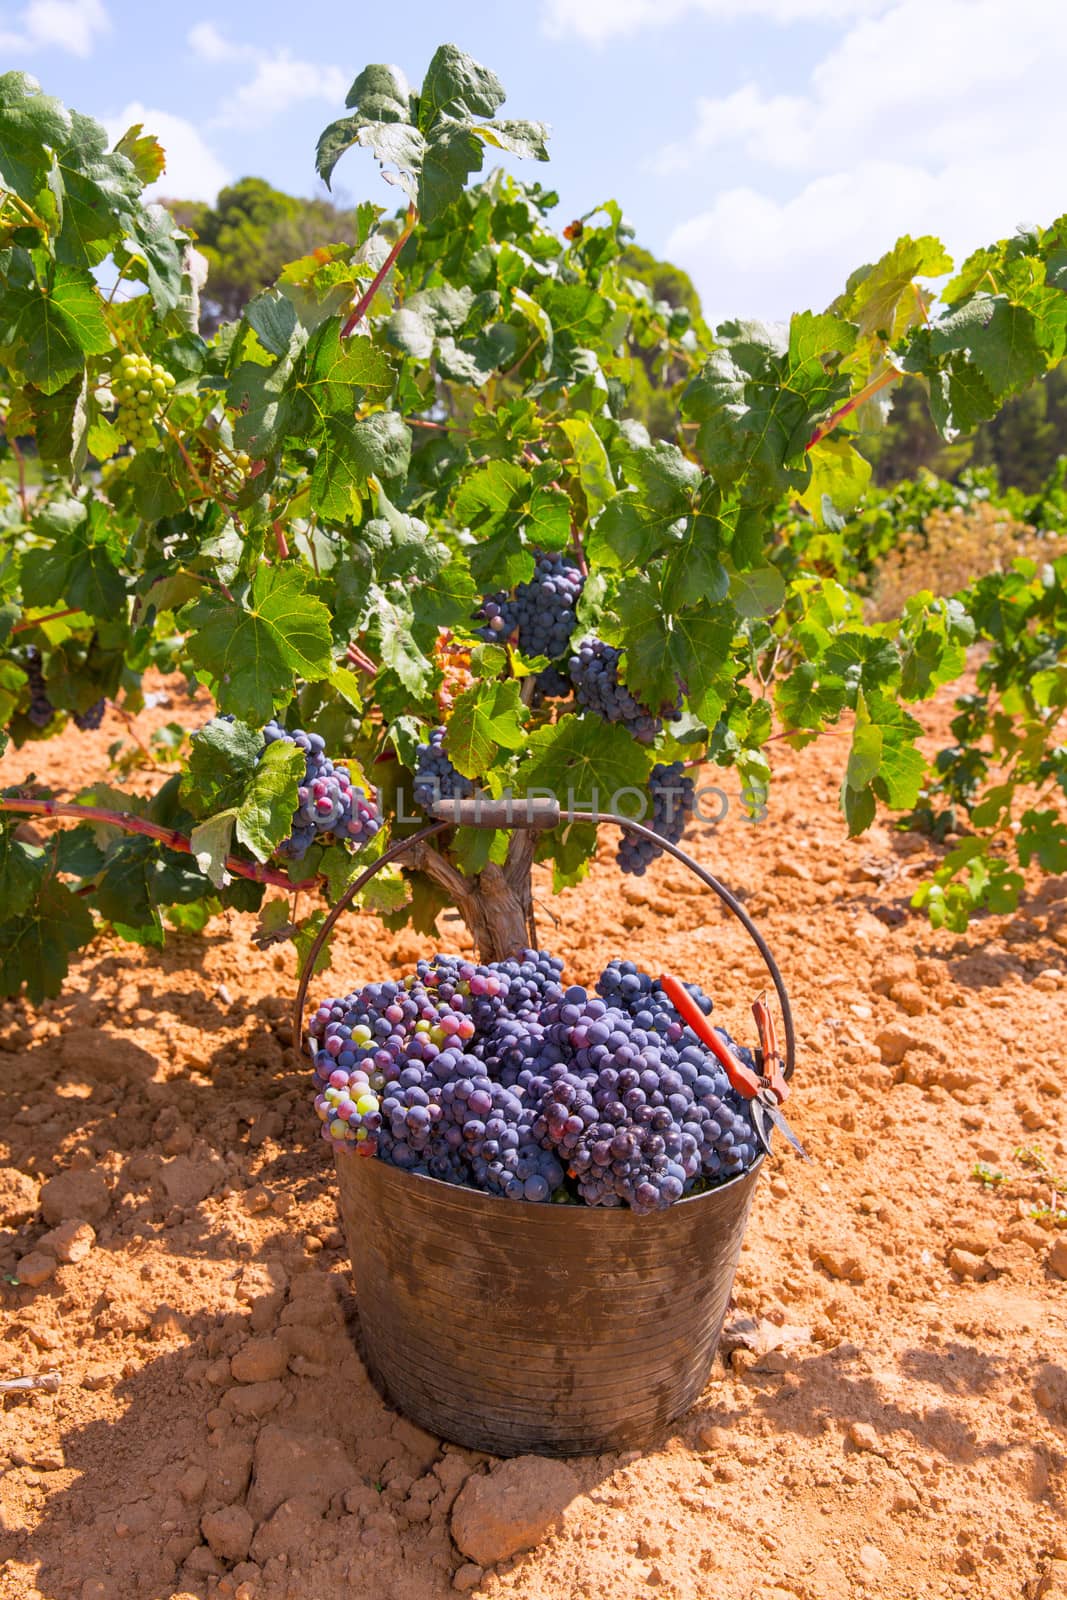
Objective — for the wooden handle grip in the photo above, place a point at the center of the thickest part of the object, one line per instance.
(533, 811)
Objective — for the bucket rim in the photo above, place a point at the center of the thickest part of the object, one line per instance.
(542, 1207)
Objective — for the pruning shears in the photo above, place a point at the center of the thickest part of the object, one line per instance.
(767, 1087)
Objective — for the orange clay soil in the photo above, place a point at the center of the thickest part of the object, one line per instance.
(906, 1438)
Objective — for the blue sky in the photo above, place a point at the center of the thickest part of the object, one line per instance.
(768, 146)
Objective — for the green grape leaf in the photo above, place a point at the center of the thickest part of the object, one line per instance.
(35, 945)
(759, 592)
(101, 193)
(810, 697)
(141, 875)
(865, 754)
(528, 139)
(1043, 834)
(859, 806)
(491, 493)
(393, 618)
(1000, 337)
(664, 651)
(265, 816)
(32, 126)
(839, 478)
(144, 153)
(58, 327)
(584, 763)
(457, 86)
(486, 718)
(453, 151)
(760, 396)
(210, 842)
(256, 649)
(594, 472)
(79, 567)
(882, 299)
(230, 771)
(21, 870)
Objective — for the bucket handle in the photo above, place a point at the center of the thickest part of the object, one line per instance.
(541, 813)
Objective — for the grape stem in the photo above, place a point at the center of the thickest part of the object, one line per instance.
(884, 379)
(38, 622)
(151, 830)
(359, 659)
(359, 310)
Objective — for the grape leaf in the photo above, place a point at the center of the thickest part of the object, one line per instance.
(457, 86)
(256, 650)
(32, 126)
(21, 870)
(79, 567)
(584, 763)
(36, 944)
(486, 718)
(144, 152)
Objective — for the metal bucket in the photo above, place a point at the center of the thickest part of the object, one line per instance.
(561, 1330)
(513, 1327)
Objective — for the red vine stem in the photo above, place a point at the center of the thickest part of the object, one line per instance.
(358, 659)
(359, 310)
(890, 375)
(281, 543)
(37, 622)
(152, 830)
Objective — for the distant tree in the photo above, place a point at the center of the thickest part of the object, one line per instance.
(249, 234)
(1023, 443)
(650, 398)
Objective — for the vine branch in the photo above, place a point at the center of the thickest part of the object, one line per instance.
(884, 379)
(359, 310)
(131, 823)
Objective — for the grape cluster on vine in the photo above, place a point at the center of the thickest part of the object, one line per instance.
(41, 710)
(501, 1077)
(329, 803)
(598, 687)
(141, 387)
(540, 616)
(435, 776)
(673, 797)
(89, 720)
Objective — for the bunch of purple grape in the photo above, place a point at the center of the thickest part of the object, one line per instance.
(594, 671)
(541, 613)
(328, 802)
(435, 776)
(504, 1079)
(41, 710)
(673, 798)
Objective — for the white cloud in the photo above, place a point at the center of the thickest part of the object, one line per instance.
(279, 79)
(597, 21)
(210, 44)
(193, 172)
(71, 25)
(921, 120)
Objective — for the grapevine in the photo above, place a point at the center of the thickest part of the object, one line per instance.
(408, 475)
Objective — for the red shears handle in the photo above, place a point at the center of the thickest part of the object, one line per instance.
(744, 1080)
(768, 1038)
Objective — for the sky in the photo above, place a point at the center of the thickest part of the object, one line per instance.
(766, 146)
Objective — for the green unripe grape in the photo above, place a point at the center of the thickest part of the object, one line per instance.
(159, 388)
(169, 379)
(158, 370)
